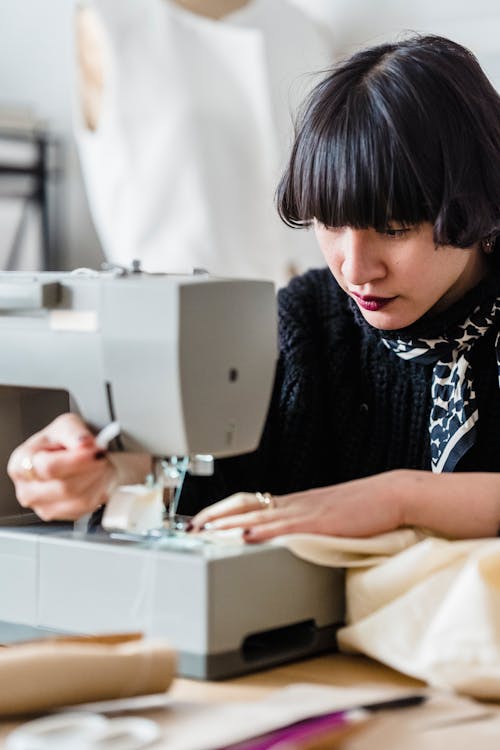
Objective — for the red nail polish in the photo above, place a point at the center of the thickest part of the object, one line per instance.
(188, 527)
(247, 532)
(83, 439)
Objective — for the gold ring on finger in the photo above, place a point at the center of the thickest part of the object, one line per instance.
(265, 500)
(28, 470)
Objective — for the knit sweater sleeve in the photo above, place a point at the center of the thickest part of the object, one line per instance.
(320, 389)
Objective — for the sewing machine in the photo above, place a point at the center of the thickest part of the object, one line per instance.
(186, 365)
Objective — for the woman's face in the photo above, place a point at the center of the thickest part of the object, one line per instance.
(397, 275)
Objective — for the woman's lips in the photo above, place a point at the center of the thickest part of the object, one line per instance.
(371, 303)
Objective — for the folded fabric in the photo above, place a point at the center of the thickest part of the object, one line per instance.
(431, 610)
(41, 675)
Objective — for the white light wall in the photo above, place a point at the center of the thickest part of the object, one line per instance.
(358, 23)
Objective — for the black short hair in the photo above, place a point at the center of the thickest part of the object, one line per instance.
(405, 132)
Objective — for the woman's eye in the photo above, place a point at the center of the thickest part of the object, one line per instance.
(392, 232)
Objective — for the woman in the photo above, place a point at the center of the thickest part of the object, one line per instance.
(387, 402)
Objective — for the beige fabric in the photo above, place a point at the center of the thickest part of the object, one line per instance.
(46, 674)
(343, 552)
(431, 610)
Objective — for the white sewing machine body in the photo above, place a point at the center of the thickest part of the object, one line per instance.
(227, 609)
(186, 365)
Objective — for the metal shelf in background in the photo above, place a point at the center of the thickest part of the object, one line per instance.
(24, 176)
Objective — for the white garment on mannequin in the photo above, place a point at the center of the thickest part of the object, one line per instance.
(194, 129)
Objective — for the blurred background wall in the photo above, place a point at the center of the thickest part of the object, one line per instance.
(37, 81)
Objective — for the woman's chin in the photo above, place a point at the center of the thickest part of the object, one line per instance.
(386, 319)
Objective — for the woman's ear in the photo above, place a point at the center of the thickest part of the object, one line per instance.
(488, 245)
(211, 8)
(90, 64)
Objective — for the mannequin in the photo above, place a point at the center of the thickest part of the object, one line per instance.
(181, 148)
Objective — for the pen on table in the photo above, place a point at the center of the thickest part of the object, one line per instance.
(304, 733)
(102, 440)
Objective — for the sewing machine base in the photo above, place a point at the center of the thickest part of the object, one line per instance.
(228, 609)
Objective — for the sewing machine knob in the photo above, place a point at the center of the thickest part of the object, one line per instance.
(136, 266)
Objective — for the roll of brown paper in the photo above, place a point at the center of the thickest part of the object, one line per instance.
(41, 675)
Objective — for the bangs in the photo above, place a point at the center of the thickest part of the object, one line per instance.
(406, 133)
(351, 169)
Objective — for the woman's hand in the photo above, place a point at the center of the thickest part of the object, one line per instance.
(60, 472)
(360, 508)
(455, 505)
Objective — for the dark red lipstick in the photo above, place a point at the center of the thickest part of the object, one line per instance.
(368, 302)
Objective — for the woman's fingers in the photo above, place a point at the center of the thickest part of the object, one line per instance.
(69, 497)
(65, 464)
(69, 431)
(235, 505)
(286, 514)
(60, 472)
(49, 464)
(266, 524)
(246, 520)
(53, 501)
(280, 527)
(66, 433)
(21, 461)
(63, 510)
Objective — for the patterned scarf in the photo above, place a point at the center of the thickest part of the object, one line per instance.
(454, 412)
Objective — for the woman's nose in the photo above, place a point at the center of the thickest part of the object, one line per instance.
(361, 262)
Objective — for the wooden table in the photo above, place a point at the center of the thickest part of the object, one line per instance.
(331, 669)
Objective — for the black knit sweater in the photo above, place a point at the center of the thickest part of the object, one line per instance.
(344, 406)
